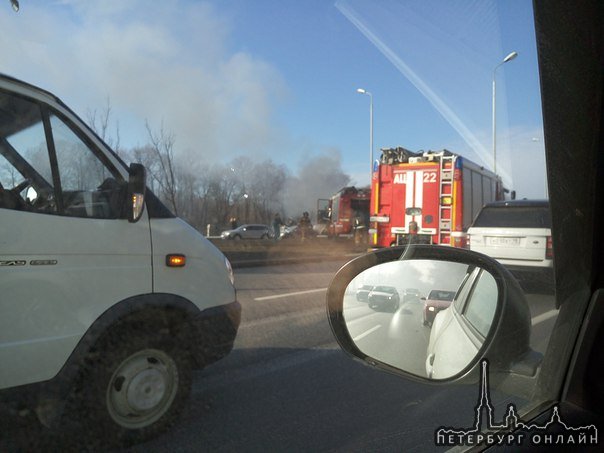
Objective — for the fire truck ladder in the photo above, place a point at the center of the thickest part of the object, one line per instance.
(446, 189)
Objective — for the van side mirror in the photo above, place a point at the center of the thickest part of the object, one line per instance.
(137, 186)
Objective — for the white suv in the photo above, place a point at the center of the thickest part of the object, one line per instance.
(517, 234)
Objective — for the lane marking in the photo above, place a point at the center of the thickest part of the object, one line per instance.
(543, 317)
(362, 317)
(363, 335)
(297, 293)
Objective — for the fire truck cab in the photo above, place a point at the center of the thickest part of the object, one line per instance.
(427, 197)
(345, 211)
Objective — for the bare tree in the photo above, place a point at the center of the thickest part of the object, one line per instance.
(99, 123)
(222, 189)
(268, 183)
(162, 146)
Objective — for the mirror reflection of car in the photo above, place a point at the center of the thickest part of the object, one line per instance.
(436, 301)
(460, 330)
(488, 318)
(383, 297)
(411, 294)
(362, 293)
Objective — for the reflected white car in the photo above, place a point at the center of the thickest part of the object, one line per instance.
(459, 331)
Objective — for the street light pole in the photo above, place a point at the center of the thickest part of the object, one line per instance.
(362, 91)
(510, 57)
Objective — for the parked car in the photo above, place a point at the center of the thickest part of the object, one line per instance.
(248, 231)
(382, 297)
(517, 234)
(113, 299)
(411, 294)
(436, 301)
(363, 293)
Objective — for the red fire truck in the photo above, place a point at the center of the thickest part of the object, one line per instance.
(440, 191)
(346, 209)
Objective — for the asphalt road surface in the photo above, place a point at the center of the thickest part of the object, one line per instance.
(288, 387)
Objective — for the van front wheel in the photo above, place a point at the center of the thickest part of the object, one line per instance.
(134, 389)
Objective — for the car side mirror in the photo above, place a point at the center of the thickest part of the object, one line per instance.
(137, 186)
(435, 340)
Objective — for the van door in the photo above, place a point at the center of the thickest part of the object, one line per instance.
(67, 250)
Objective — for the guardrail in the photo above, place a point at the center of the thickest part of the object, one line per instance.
(257, 252)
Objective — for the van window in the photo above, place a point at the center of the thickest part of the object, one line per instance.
(24, 158)
(89, 189)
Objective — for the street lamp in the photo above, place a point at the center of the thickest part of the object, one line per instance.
(510, 57)
(362, 91)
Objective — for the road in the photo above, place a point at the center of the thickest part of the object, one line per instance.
(288, 387)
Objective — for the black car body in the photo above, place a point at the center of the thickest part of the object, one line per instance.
(382, 297)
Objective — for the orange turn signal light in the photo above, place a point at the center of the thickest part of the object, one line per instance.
(176, 260)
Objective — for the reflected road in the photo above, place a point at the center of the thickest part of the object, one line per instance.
(399, 338)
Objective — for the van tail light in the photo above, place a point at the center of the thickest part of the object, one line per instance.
(549, 249)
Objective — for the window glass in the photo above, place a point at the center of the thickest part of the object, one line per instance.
(30, 143)
(464, 289)
(480, 309)
(441, 295)
(24, 159)
(88, 188)
(9, 176)
(515, 217)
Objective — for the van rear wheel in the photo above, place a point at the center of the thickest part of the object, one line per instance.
(133, 389)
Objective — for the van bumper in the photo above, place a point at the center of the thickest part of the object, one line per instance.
(214, 331)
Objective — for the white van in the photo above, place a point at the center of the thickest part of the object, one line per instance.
(107, 300)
